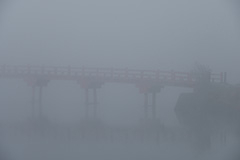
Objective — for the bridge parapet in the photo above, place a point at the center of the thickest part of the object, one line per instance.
(124, 75)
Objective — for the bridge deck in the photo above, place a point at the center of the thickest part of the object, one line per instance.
(172, 78)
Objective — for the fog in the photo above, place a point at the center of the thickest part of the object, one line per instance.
(120, 47)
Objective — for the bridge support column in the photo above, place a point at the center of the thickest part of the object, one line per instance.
(92, 103)
(91, 86)
(86, 103)
(145, 105)
(154, 105)
(33, 101)
(95, 102)
(40, 102)
(37, 84)
(148, 105)
(150, 92)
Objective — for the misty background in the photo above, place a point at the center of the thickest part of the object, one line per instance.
(109, 33)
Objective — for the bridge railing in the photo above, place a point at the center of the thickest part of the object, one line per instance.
(114, 73)
(219, 77)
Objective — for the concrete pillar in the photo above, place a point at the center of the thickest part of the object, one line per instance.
(40, 102)
(86, 103)
(150, 92)
(90, 86)
(91, 102)
(145, 105)
(154, 105)
(33, 101)
(36, 102)
(95, 103)
(150, 105)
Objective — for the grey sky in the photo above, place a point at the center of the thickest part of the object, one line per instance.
(122, 33)
(127, 33)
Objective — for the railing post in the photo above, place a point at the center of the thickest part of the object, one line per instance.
(225, 77)
(157, 74)
(221, 77)
(142, 74)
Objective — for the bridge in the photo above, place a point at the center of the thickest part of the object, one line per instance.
(149, 82)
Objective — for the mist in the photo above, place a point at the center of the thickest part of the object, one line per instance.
(119, 79)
